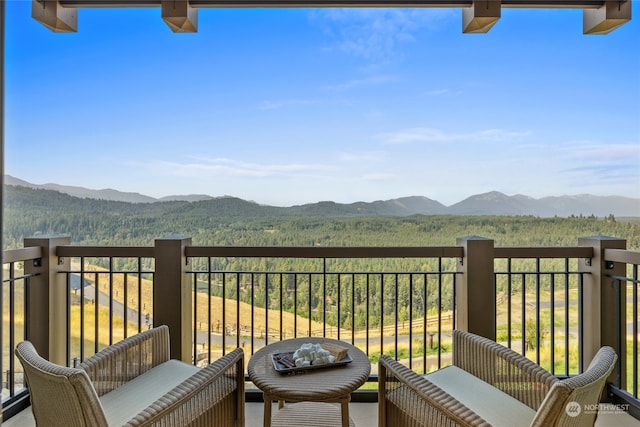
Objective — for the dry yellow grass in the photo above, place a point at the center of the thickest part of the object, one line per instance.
(248, 316)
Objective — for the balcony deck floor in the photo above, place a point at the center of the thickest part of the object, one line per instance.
(363, 414)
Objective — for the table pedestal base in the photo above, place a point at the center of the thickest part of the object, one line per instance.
(308, 414)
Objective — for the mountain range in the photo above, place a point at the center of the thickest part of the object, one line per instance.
(491, 203)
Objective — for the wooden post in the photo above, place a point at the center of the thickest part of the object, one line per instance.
(172, 294)
(604, 317)
(47, 323)
(475, 289)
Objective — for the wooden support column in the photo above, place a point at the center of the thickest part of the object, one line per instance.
(604, 316)
(475, 288)
(172, 294)
(47, 322)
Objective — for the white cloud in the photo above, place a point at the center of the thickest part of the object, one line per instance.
(594, 163)
(443, 92)
(377, 176)
(274, 105)
(374, 33)
(369, 81)
(438, 92)
(362, 157)
(220, 167)
(431, 135)
(599, 152)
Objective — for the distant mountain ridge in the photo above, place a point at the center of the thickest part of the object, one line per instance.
(491, 203)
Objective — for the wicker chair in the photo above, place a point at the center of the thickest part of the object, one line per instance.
(134, 383)
(489, 384)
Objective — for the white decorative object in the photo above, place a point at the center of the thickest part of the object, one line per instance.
(312, 354)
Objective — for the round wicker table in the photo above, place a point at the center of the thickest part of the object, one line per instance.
(326, 385)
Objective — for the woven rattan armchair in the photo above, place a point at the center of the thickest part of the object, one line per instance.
(489, 384)
(134, 383)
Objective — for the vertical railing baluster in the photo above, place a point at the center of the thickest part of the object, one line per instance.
(353, 308)
(239, 281)
(338, 305)
(439, 312)
(82, 318)
(68, 318)
(425, 324)
(366, 323)
(295, 305)
(96, 304)
(552, 322)
(620, 294)
(537, 338)
(523, 313)
(310, 305)
(381, 313)
(634, 322)
(253, 305)
(453, 302)
(324, 297)
(266, 308)
(209, 308)
(125, 297)
(580, 339)
(195, 317)
(509, 292)
(223, 301)
(566, 327)
(281, 307)
(395, 308)
(12, 332)
(411, 320)
(140, 304)
(238, 319)
(110, 300)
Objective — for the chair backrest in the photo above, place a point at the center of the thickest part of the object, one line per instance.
(60, 396)
(574, 401)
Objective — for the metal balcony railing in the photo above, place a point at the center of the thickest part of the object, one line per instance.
(539, 305)
(294, 292)
(71, 301)
(626, 282)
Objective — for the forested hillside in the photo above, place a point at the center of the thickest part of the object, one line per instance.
(232, 221)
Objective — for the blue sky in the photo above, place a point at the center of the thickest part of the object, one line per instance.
(291, 106)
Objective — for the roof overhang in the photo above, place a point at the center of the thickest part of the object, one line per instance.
(478, 16)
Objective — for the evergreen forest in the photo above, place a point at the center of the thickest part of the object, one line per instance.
(349, 297)
(232, 221)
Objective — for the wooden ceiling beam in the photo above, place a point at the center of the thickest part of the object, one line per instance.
(479, 16)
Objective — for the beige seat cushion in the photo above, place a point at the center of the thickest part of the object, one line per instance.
(123, 403)
(493, 405)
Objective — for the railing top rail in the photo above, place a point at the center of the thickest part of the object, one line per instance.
(22, 254)
(618, 255)
(622, 255)
(106, 251)
(325, 252)
(544, 252)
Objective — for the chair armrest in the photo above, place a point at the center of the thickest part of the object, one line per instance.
(406, 399)
(121, 362)
(502, 367)
(213, 396)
